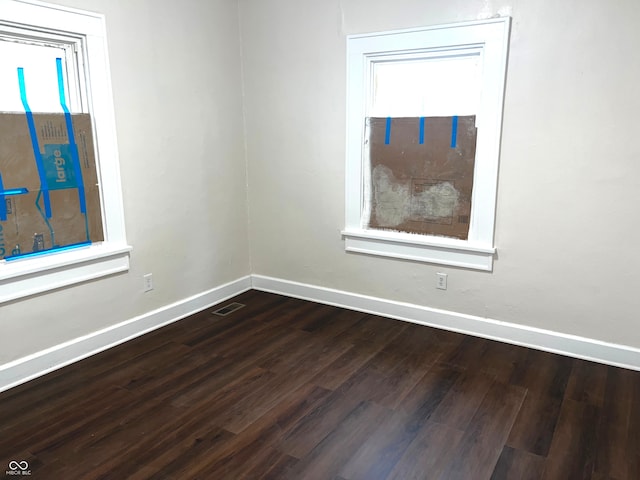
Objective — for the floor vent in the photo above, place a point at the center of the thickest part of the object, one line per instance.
(226, 310)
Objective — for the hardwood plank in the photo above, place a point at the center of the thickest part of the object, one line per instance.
(613, 426)
(254, 446)
(428, 454)
(253, 404)
(430, 389)
(633, 433)
(50, 404)
(113, 369)
(326, 417)
(238, 452)
(175, 455)
(293, 313)
(465, 354)
(174, 377)
(419, 339)
(299, 348)
(108, 436)
(535, 424)
(481, 445)
(278, 466)
(334, 324)
(167, 442)
(463, 399)
(224, 394)
(587, 382)
(389, 359)
(572, 452)
(188, 463)
(378, 456)
(381, 451)
(516, 464)
(228, 340)
(210, 379)
(500, 360)
(326, 319)
(202, 324)
(327, 457)
(285, 388)
(38, 433)
(336, 373)
(372, 329)
(253, 313)
(404, 363)
(543, 373)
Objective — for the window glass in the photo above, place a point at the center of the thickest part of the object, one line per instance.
(436, 86)
(61, 209)
(424, 117)
(38, 62)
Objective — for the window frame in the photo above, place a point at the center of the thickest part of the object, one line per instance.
(491, 38)
(86, 32)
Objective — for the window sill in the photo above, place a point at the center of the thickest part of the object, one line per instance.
(30, 276)
(441, 251)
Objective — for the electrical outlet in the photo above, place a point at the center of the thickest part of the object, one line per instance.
(148, 282)
(441, 281)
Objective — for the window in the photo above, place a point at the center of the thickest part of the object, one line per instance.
(424, 115)
(61, 213)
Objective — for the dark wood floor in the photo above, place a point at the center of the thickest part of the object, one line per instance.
(290, 389)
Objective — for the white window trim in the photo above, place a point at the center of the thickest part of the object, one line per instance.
(491, 36)
(28, 276)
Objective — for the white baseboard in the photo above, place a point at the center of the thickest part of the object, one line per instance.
(539, 339)
(40, 363)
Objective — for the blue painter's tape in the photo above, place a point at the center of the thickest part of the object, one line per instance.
(421, 139)
(387, 134)
(47, 252)
(75, 158)
(86, 227)
(454, 131)
(3, 198)
(16, 191)
(34, 145)
(46, 220)
(3, 202)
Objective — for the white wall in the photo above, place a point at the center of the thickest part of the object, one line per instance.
(567, 217)
(178, 101)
